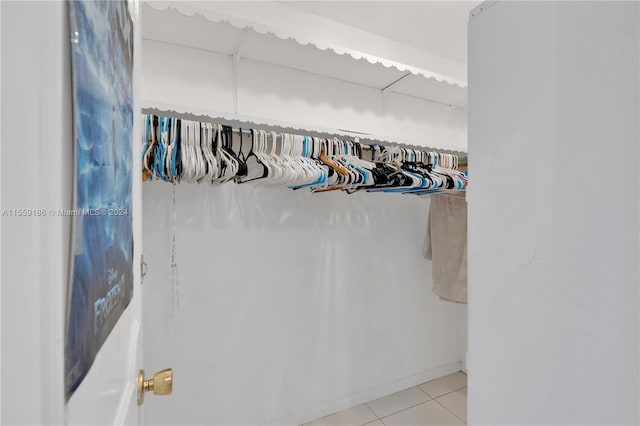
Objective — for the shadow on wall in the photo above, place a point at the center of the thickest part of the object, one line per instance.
(276, 92)
(245, 207)
(266, 84)
(286, 299)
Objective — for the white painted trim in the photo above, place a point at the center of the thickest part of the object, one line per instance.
(0, 220)
(267, 20)
(136, 327)
(480, 9)
(54, 180)
(365, 396)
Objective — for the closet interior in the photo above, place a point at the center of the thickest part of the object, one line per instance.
(288, 179)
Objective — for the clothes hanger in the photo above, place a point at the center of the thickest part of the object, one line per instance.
(145, 146)
(230, 163)
(171, 150)
(266, 154)
(306, 174)
(276, 172)
(281, 169)
(196, 170)
(341, 177)
(148, 153)
(366, 167)
(256, 169)
(415, 165)
(323, 168)
(293, 169)
(219, 154)
(316, 174)
(290, 151)
(389, 164)
(170, 147)
(160, 152)
(206, 144)
(239, 151)
(201, 168)
(185, 151)
(313, 173)
(296, 148)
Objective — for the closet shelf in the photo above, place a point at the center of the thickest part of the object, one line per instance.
(188, 25)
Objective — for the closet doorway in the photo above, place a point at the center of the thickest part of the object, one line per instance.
(297, 305)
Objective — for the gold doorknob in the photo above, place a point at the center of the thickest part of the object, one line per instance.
(161, 384)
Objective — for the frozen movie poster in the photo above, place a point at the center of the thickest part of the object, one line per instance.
(101, 280)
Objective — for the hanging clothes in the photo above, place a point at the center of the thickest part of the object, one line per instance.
(446, 245)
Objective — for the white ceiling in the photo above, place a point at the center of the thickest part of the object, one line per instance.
(439, 27)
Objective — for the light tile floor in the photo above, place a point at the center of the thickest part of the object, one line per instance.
(441, 401)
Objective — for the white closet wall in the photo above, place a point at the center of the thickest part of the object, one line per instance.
(294, 304)
(291, 303)
(36, 133)
(553, 214)
(195, 80)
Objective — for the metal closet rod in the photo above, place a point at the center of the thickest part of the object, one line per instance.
(246, 127)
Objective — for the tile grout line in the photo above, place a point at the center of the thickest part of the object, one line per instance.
(404, 409)
(454, 414)
(373, 412)
(371, 409)
(444, 394)
(451, 412)
(424, 391)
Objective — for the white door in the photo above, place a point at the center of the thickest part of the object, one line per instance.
(109, 392)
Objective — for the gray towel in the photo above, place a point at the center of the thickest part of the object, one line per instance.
(445, 245)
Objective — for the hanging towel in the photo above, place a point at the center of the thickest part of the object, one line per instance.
(445, 245)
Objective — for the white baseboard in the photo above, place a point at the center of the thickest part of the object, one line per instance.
(463, 363)
(366, 396)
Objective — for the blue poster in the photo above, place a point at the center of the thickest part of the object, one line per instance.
(101, 278)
